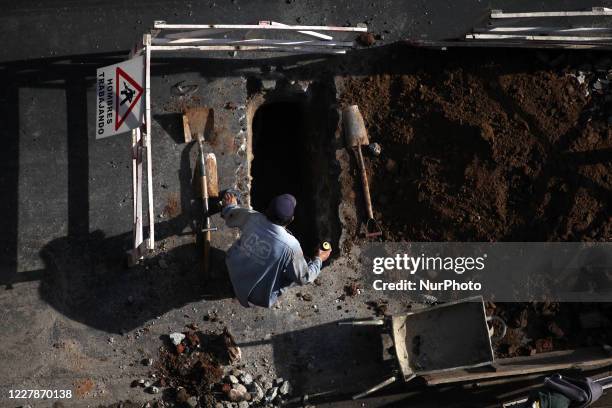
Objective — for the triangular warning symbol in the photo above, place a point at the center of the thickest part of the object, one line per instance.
(127, 94)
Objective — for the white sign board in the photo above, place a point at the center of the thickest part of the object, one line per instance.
(119, 97)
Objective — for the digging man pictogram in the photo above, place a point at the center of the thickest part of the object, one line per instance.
(128, 93)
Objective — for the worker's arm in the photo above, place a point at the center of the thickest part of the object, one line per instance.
(304, 272)
(233, 215)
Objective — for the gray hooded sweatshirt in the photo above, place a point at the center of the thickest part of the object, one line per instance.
(266, 260)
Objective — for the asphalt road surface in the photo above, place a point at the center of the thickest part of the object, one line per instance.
(59, 185)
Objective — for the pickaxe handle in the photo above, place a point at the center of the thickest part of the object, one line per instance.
(206, 220)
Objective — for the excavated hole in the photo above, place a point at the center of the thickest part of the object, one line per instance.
(292, 154)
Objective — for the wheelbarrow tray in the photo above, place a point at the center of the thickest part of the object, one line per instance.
(442, 338)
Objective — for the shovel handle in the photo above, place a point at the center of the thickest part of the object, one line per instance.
(364, 183)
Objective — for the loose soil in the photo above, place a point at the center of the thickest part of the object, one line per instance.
(494, 146)
(196, 365)
(488, 147)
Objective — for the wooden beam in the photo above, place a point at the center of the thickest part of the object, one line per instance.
(137, 187)
(477, 36)
(509, 44)
(251, 41)
(595, 11)
(309, 33)
(544, 30)
(134, 255)
(164, 26)
(150, 212)
(268, 48)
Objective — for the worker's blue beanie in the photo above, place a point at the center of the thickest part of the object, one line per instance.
(282, 207)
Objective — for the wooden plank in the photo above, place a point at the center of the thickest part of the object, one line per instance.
(509, 44)
(309, 33)
(134, 255)
(478, 36)
(150, 212)
(211, 175)
(137, 186)
(186, 129)
(197, 33)
(581, 359)
(543, 30)
(269, 48)
(163, 25)
(250, 41)
(595, 11)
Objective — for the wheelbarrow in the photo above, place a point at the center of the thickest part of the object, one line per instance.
(446, 337)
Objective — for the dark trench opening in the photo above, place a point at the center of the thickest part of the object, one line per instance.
(281, 165)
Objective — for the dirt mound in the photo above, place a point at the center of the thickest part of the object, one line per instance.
(487, 150)
(194, 365)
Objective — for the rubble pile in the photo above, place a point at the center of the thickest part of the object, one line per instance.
(535, 328)
(242, 390)
(197, 369)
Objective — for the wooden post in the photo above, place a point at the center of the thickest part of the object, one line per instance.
(150, 212)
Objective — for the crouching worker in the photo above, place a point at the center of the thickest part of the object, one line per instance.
(266, 260)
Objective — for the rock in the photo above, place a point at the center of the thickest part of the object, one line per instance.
(153, 390)
(375, 149)
(366, 39)
(147, 362)
(543, 345)
(278, 381)
(268, 84)
(307, 297)
(271, 394)
(235, 395)
(236, 372)
(243, 404)
(285, 389)
(556, 330)
(240, 388)
(192, 402)
(428, 299)
(177, 338)
(182, 396)
(232, 379)
(147, 384)
(256, 391)
(391, 165)
(246, 378)
(219, 405)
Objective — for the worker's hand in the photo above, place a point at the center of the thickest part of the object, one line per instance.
(229, 199)
(323, 255)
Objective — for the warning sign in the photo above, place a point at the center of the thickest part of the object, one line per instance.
(119, 97)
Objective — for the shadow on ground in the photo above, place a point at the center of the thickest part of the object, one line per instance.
(87, 281)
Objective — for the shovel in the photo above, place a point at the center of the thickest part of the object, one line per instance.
(355, 136)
